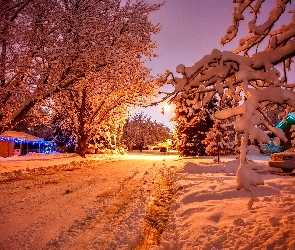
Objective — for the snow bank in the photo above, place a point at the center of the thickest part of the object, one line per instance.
(194, 168)
(228, 167)
(17, 167)
(253, 150)
(209, 213)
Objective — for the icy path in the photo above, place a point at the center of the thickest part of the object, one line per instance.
(101, 205)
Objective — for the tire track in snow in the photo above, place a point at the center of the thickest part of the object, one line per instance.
(100, 206)
(157, 213)
(96, 231)
(40, 209)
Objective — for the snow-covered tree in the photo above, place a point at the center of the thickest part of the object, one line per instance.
(62, 136)
(255, 75)
(191, 126)
(50, 46)
(141, 131)
(98, 106)
(218, 140)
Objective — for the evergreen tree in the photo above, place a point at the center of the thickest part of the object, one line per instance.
(191, 127)
(218, 141)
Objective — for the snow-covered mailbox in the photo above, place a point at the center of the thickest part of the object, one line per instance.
(18, 143)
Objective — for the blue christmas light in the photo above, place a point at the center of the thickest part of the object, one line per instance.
(39, 146)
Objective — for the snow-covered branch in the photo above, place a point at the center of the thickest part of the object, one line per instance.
(250, 76)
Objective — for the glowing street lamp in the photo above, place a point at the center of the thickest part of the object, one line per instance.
(166, 107)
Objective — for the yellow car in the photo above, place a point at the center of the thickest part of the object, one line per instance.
(284, 160)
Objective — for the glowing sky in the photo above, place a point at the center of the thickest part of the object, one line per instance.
(190, 30)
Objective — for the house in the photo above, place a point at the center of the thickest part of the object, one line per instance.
(19, 143)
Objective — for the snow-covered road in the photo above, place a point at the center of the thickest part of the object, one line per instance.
(142, 201)
(100, 205)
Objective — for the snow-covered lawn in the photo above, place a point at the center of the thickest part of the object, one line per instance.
(62, 201)
(209, 213)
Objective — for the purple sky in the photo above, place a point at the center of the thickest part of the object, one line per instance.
(190, 30)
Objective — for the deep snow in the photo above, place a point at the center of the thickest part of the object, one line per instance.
(207, 212)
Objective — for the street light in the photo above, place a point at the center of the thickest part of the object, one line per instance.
(166, 107)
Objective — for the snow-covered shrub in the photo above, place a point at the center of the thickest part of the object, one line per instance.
(253, 150)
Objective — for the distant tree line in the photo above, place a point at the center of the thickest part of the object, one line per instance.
(140, 131)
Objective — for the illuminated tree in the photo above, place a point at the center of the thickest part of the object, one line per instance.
(98, 109)
(51, 47)
(141, 131)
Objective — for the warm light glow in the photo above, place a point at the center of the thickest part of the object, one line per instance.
(166, 107)
(151, 156)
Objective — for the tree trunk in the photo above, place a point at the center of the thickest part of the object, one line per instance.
(141, 144)
(81, 146)
(82, 138)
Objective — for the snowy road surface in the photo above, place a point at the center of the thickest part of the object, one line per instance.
(100, 205)
(156, 202)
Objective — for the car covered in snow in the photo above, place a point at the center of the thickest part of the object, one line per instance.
(284, 160)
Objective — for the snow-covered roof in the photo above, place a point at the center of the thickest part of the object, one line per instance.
(20, 135)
